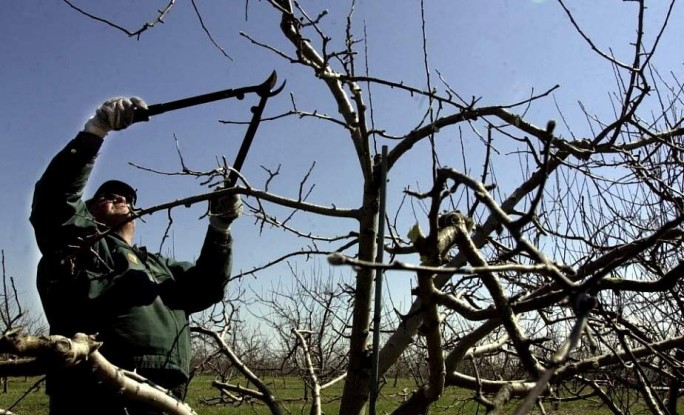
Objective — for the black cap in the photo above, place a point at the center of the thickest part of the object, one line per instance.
(117, 187)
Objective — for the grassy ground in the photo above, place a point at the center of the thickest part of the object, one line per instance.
(33, 401)
(291, 391)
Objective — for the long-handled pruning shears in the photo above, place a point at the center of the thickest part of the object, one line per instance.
(264, 90)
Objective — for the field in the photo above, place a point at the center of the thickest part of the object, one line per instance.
(290, 391)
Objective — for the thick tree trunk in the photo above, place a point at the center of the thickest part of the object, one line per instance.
(675, 385)
(357, 383)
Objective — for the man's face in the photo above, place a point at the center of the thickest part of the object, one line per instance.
(111, 209)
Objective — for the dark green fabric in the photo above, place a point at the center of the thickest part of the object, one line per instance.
(136, 302)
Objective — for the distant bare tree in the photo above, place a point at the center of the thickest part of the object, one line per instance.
(311, 312)
(12, 313)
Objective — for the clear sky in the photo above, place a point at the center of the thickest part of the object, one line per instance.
(57, 66)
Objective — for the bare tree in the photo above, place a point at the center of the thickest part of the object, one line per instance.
(12, 313)
(558, 280)
(316, 310)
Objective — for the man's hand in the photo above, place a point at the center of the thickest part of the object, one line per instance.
(223, 210)
(113, 114)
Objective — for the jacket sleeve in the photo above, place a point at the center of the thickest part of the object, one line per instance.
(58, 213)
(200, 285)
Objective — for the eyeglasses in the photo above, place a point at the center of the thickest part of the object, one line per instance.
(113, 197)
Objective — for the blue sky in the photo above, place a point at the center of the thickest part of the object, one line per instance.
(57, 66)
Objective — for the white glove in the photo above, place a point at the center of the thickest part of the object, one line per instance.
(113, 114)
(223, 210)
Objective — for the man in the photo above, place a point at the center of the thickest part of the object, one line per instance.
(93, 280)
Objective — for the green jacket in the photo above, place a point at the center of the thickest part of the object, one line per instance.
(136, 302)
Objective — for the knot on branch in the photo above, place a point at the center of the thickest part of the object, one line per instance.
(456, 219)
(583, 303)
(434, 248)
(52, 350)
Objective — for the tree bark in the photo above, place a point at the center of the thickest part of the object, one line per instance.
(357, 384)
